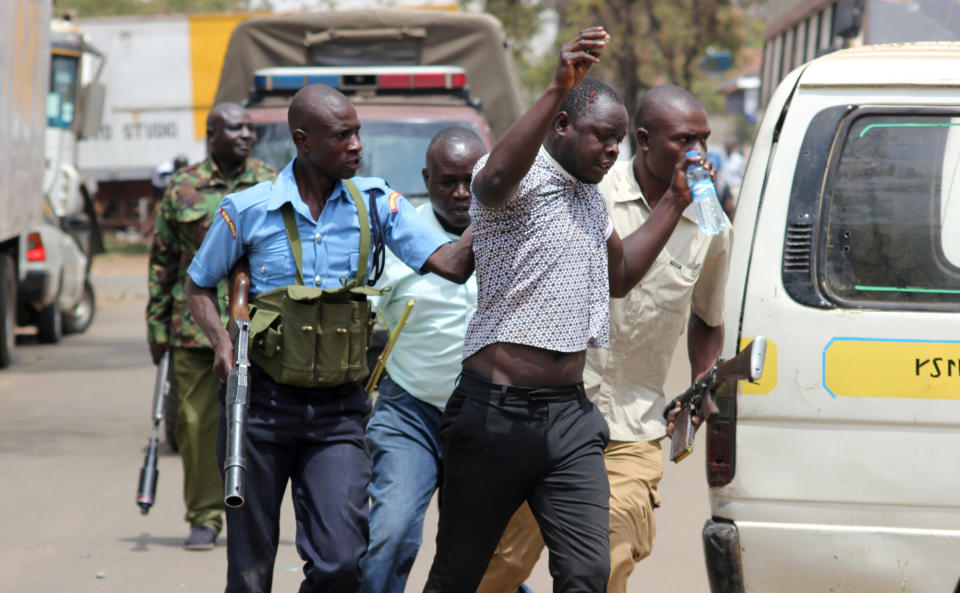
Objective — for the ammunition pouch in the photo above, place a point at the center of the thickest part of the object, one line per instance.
(309, 337)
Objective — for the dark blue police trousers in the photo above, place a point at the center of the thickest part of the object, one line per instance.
(312, 438)
(503, 445)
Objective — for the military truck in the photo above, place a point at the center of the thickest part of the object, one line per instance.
(409, 74)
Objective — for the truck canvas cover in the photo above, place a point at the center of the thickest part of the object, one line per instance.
(473, 41)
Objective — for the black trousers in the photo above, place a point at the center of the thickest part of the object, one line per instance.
(503, 445)
(312, 438)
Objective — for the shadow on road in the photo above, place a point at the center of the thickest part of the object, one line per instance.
(142, 542)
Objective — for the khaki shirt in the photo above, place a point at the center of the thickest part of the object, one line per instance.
(626, 380)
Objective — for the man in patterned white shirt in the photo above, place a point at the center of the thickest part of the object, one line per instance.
(684, 286)
(519, 425)
(403, 435)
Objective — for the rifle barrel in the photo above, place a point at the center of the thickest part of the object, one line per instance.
(147, 484)
(237, 402)
(237, 399)
(161, 386)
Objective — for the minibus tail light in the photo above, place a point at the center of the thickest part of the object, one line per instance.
(722, 438)
(35, 250)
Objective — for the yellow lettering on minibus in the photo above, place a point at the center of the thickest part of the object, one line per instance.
(909, 369)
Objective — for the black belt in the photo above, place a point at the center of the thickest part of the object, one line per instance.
(472, 381)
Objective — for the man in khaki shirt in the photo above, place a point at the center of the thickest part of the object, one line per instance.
(684, 285)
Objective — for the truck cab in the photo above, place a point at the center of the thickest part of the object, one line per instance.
(839, 469)
(400, 109)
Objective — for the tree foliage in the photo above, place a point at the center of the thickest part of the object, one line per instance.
(652, 41)
(92, 8)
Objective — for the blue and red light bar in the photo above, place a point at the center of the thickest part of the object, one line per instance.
(392, 78)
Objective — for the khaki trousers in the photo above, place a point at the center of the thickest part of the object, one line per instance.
(634, 470)
(197, 420)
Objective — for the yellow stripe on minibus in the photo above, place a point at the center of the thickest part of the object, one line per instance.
(768, 380)
(907, 369)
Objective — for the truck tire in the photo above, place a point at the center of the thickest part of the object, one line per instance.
(8, 308)
(49, 324)
(81, 316)
(171, 406)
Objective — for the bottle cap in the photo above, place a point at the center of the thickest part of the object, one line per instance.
(691, 153)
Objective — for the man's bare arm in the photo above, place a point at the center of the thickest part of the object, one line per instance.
(453, 261)
(203, 305)
(703, 347)
(704, 343)
(630, 258)
(511, 158)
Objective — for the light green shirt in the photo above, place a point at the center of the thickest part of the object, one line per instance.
(425, 360)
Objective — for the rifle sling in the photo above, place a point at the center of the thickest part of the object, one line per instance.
(293, 235)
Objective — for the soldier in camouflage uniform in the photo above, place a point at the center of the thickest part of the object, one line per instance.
(183, 217)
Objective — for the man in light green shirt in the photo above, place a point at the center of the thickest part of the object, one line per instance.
(403, 434)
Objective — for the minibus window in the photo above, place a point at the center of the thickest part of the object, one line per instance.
(892, 213)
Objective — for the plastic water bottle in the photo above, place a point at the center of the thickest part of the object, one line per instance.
(709, 213)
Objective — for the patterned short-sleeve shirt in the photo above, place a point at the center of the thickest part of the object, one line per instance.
(541, 264)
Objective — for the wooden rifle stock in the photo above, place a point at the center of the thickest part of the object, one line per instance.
(239, 293)
(745, 366)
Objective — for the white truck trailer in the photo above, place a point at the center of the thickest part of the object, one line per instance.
(162, 73)
(24, 47)
(48, 228)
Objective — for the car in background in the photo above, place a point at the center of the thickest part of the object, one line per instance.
(55, 293)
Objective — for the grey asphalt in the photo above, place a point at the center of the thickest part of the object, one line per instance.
(74, 424)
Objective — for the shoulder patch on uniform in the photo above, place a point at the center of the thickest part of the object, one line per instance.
(392, 200)
(226, 218)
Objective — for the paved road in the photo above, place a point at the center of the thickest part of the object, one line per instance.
(74, 422)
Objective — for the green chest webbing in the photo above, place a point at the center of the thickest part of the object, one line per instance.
(313, 337)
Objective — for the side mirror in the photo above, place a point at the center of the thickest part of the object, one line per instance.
(92, 97)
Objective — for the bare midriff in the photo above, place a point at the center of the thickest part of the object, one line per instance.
(527, 366)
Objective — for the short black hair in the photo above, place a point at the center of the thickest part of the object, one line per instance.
(584, 94)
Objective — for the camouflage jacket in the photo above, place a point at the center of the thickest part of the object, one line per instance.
(182, 219)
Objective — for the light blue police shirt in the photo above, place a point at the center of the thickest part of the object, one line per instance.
(251, 223)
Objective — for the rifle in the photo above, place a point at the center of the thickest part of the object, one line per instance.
(697, 400)
(147, 488)
(238, 389)
(382, 359)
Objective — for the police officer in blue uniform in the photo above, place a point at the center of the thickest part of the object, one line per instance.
(311, 436)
